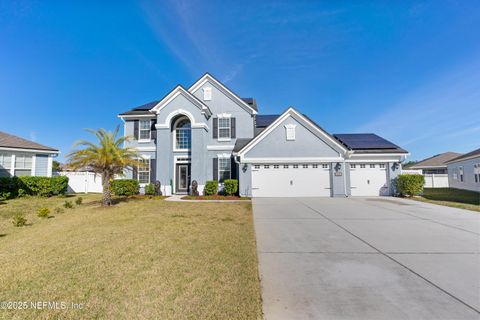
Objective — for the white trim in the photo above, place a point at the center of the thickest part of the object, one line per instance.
(12, 165)
(379, 154)
(177, 112)
(175, 161)
(221, 148)
(224, 115)
(145, 148)
(367, 161)
(144, 140)
(29, 150)
(291, 160)
(178, 90)
(207, 94)
(34, 163)
(208, 78)
(229, 127)
(290, 112)
(174, 137)
(288, 127)
(128, 116)
(148, 158)
(49, 166)
(223, 155)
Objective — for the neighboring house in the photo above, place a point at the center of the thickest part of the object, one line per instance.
(434, 169)
(464, 171)
(207, 132)
(434, 165)
(21, 157)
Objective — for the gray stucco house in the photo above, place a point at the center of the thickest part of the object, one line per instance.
(464, 171)
(22, 157)
(207, 132)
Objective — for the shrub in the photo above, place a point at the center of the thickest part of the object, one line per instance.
(19, 219)
(230, 186)
(211, 188)
(150, 189)
(5, 196)
(78, 201)
(35, 186)
(43, 212)
(125, 187)
(58, 210)
(410, 184)
(68, 204)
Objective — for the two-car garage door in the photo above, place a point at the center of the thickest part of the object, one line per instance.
(291, 180)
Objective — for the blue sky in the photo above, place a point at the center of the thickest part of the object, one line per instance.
(408, 71)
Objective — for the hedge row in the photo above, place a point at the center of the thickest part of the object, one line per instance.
(12, 187)
(125, 187)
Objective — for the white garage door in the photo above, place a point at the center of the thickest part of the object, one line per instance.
(291, 180)
(368, 179)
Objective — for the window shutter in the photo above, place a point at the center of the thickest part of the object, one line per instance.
(215, 128)
(153, 170)
(232, 128)
(215, 169)
(233, 168)
(135, 173)
(135, 129)
(153, 134)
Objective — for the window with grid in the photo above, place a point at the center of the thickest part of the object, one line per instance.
(353, 166)
(382, 165)
(144, 171)
(266, 166)
(285, 166)
(362, 166)
(276, 166)
(224, 128)
(314, 166)
(372, 166)
(295, 166)
(257, 166)
(23, 165)
(5, 161)
(183, 134)
(144, 129)
(325, 166)
(305, 166)
(224, 169)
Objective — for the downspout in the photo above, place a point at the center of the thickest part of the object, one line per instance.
(347, 154)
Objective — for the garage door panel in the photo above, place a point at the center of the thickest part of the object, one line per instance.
(368, 180)
(270, 181)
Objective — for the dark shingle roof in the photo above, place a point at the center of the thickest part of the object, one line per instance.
(472, 154)
(240, 143)
(143, 109)
(439, 160)
(368, 143)
(251, 102)
(11, 141)
(264, 120)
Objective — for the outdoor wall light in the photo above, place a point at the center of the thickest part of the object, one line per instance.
(395, 166)
(245, 167)
(337, 167)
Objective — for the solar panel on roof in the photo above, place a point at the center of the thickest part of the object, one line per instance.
(146, 106)
(365, 141)
(265, 120)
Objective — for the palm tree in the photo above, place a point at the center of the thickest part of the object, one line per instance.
(106, 158)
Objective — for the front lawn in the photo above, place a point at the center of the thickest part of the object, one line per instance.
(457, 198)
(141, 259)
(215, 197)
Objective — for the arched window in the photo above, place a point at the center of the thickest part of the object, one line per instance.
(183, 134)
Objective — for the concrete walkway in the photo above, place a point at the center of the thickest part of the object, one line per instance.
(367, 258)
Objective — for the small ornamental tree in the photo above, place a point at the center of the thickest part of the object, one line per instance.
(106, 158)
(410, 184)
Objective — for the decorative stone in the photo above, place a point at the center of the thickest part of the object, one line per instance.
(158, 188)
(195, 188)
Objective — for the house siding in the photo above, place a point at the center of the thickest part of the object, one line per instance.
(468, 175)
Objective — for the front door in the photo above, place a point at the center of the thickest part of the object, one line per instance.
(183, 178)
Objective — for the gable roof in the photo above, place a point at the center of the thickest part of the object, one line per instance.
(224, 89)
(10, 141)
(179, 90)
(438, 160)
(470, 155)
(300, 117)
(367, 143)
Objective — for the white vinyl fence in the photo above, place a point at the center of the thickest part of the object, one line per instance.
(432, 180)
(436, 180)
(83, 182)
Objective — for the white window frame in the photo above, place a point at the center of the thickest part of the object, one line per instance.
(147, 160)
(290, 132)
(140, 139)
(23, 167)
(219, 167)
(325, 166)
(3, 156)
(175, 131)
(221, 118)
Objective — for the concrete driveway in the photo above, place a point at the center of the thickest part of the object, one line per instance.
(367, 258)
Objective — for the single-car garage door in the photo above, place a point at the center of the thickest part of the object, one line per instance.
(368, 179)
(291, 180)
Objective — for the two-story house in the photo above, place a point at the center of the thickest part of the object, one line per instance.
(207, 132)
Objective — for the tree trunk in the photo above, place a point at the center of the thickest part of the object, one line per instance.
(107, 192)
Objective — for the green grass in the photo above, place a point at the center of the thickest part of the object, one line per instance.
(457, 198)
(141, 259)
(215, 197)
